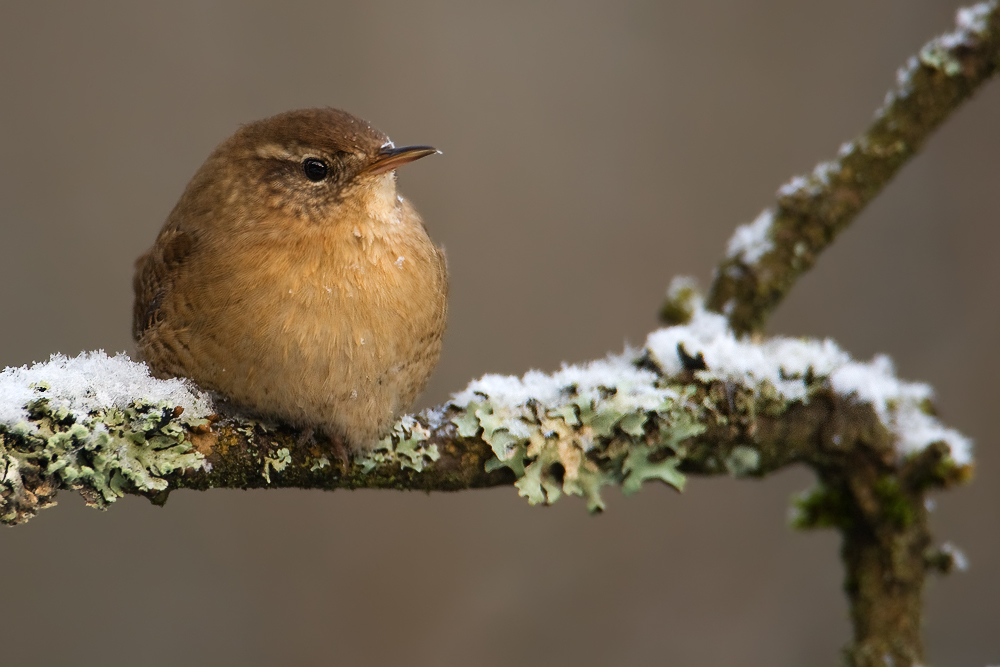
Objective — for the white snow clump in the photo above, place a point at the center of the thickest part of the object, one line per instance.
(93, 381)
(751, 241)
(785, 363)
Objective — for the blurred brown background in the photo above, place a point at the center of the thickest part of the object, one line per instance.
(591, 152)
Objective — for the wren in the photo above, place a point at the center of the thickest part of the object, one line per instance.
(294, 280)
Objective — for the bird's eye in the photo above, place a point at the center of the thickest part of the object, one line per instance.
(315, 169)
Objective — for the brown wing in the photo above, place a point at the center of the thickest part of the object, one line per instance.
(154, 273)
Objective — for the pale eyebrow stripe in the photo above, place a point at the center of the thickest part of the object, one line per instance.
(274, 151)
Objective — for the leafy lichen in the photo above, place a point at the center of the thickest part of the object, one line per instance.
(743, 461)
(319, 464)
(594, 437)
(277, 463)
(405, 445)
(103, 454)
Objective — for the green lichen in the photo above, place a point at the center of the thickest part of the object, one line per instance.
(319, 464)
(467, 423)
(936, 55)
(278, 463)
(593, 438)
(405, 445)
(104, 454)
(639, 466)
(743, 461)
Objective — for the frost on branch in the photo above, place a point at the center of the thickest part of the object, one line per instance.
(629, 417)
(97, 424)
(766, 257)
(792, 366)
(102, 426)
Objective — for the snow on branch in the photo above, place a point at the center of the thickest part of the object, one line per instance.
(767, 256)
(695, 399)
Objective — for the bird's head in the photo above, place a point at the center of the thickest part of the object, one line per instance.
(313, 165)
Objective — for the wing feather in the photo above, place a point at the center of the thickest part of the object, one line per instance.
(154, 277)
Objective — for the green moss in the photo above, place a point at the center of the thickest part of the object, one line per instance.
(822, 507)
(896, 506)
(683, 298)
(826, 507)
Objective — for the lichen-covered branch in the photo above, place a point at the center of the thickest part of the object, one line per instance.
(695, 400)
(700, 424)
(767, 256)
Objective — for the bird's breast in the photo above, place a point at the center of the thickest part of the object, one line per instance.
(350, 300)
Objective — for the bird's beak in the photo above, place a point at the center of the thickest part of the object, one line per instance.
(389, 157)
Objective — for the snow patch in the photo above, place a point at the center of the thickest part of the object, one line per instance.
(783, 362)
(615, 371)
(975, 19)
(797, 184)
(958, 558)
(788, 363)
(751, 241)
(93, 381)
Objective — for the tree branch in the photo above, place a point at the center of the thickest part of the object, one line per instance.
(767, 256)
(695, 399)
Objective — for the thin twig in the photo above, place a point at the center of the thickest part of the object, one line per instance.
(767, 256)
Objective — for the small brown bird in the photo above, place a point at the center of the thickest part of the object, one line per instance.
(294, 280)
